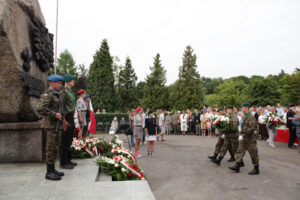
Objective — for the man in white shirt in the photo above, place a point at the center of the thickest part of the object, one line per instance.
(162, 126)
(280, 110)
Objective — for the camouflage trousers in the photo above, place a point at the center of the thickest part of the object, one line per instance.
(250, 145)
(219, 145)
(52, 145)
(229, 143)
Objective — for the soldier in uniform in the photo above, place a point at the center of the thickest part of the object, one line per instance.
(220, 142)
(247, 142)
(48, 107)
(69, 103)
(231, 139)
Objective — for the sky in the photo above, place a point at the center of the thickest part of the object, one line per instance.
(229, 37)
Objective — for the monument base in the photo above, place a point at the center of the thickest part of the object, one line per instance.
(21, 142)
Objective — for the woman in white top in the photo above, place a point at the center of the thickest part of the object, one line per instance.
(183, 122)
(114, 126)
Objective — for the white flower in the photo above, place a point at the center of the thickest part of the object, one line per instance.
(116, 165)
(123, 169)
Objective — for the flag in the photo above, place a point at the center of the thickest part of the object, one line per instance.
(92, 124)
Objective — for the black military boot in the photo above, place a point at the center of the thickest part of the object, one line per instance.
(235, 168)
(73, 163)
(57, 172)
(50, 175)
(218, 161)
(214, 157)
(242, 164)
(67, 166)
(232, 159)
(254, 171)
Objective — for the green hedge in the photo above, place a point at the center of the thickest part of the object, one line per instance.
(108, 117)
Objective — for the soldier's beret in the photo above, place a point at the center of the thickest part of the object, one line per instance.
(80, 91)
(87, 96)
(220, 109)
(230, 107)
(245, 104)
(68, 77)
(55, 78)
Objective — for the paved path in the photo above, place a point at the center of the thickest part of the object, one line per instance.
(181, 170)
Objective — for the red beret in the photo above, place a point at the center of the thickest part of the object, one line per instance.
(138, 109)
(81, 91)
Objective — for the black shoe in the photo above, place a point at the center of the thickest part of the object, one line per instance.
(67, 166)
(232, 159)
(218, 161)
(235, 168)
(242, 164)
(58, 173)
(50, 175)
(214, 157)
(254, 171)
(73, 163)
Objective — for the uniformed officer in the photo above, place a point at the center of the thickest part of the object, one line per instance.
(247, 142)
(220, 142)
(69, 103)
(48, 107)
(231, 138)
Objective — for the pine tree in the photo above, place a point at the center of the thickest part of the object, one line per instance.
(188, 89)
(100, 83)
(156, 93)
(127, 87)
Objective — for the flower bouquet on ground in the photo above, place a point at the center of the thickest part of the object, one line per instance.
(274, 121)
(121, 168)
(224, 124)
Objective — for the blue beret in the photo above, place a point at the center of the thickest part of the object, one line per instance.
(87, 96)
(55, 78)
(68, 77)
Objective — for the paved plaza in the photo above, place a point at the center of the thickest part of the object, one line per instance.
(181, 170)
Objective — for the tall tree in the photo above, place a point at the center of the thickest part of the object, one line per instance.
(290, 92)
(188, 89)
(156, 93)
(100, 83)
(127, 87)
(65, 64)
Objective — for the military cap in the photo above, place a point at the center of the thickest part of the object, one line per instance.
(220, 109)
(87, 96)
(81, 91)
(245, 104)
(68, 77)
(55, 78)
(230, 107)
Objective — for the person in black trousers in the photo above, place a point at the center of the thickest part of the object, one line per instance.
(292, 129)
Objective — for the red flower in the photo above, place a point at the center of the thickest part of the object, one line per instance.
(83, 148)
(129, 174)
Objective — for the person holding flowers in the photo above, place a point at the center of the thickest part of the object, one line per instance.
(247, 142)
(231, 135)
(273, 121)
(296, 123)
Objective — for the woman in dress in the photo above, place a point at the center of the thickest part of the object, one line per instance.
(183, 122)
(81, 110)
(203, 119)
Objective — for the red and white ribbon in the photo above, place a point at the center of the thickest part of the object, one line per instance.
(132, 169)
(124, 151)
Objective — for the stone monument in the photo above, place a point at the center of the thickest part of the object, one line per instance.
(26, 55)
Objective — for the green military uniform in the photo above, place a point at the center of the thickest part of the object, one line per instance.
(247, 142)
(69, 103)
(231, 139)
(48, 106)
(175, 122)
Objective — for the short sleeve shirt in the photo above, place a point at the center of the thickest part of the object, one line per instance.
(161, 119)
(81, 106)
(138, 120)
